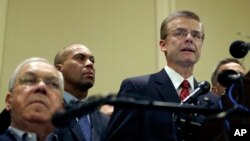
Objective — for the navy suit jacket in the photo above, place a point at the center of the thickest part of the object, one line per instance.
(145, 124)
(73, 131)
(7, 136)
(4, 120)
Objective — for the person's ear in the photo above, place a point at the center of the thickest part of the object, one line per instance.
(8, 101)
(58, 67)
(214, 89)
(162, 44)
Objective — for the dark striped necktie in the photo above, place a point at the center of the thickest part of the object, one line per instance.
(85, 125)
(185, 89)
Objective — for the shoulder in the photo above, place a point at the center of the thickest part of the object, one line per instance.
(99, 115)
(4, 120)
(142, 79)
(211, 100)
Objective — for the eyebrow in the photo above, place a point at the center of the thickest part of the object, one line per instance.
(180, 28)
(28, 73)
(85, 55)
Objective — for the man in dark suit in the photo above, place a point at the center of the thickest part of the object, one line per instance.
(35, 94)
(76, 63)
(182, 35)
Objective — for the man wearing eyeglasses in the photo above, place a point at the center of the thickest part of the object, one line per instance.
(35, 94)
(182, 35)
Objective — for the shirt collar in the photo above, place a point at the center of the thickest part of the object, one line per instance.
(30, 136)
(20, 133)
(68, 97)
(177, 79)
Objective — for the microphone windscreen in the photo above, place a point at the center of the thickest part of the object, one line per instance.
(61, 118)
(205, 86)
(238, 49)
(224, 77)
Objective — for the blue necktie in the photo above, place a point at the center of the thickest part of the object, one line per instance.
(85, 125)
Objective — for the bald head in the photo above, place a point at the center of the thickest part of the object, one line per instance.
(62, 55)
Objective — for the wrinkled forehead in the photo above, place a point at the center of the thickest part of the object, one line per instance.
(78, 48)
(39, 68)
(187, 23)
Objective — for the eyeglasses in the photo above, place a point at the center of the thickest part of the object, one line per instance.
(31, 80)
(182, 33)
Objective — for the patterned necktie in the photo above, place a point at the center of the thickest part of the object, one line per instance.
(85, 125)
(185, 90)
(24, 137)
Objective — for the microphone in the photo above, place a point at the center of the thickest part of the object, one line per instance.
(203, 88)
(62, 117)
(227, 77)
(239, 49)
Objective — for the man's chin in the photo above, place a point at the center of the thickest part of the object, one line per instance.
(38, 117)
(85, 86)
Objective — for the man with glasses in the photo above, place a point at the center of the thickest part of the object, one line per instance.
(35, 94)
(182, 35)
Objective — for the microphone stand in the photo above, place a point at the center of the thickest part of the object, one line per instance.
(93, 103)
(61, 118)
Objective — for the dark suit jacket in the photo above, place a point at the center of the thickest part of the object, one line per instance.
(73, 131)
(145, 124)
(7, 136)
(4, 121)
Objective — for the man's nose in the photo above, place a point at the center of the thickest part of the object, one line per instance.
(89, 63)
(189, 38)
(41, 87)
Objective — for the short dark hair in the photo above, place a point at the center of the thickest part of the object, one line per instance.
(182, 13)
(222, 62)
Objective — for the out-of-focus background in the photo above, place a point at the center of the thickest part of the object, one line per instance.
(122, 34)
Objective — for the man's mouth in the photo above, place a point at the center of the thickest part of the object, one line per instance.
(39, 102)
(188, 50)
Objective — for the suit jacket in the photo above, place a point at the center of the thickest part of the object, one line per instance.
(73, 131)
(145, 124)
(4, 121)
(7, 136)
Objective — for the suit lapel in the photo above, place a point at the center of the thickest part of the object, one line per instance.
(76, 129)
(165, 87)
(94, 130)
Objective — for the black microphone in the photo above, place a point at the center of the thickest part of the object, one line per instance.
(62, 117)
(227, 77)
(239, 49)
(203, 88)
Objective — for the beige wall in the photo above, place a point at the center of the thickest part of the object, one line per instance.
(3, 9)
(223, 19)
(122, 34)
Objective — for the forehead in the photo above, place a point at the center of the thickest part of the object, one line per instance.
(39, 68)
(76, 49)
(183, 22)
(232, 66)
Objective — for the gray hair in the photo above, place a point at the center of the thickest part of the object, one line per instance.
(27, 61)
